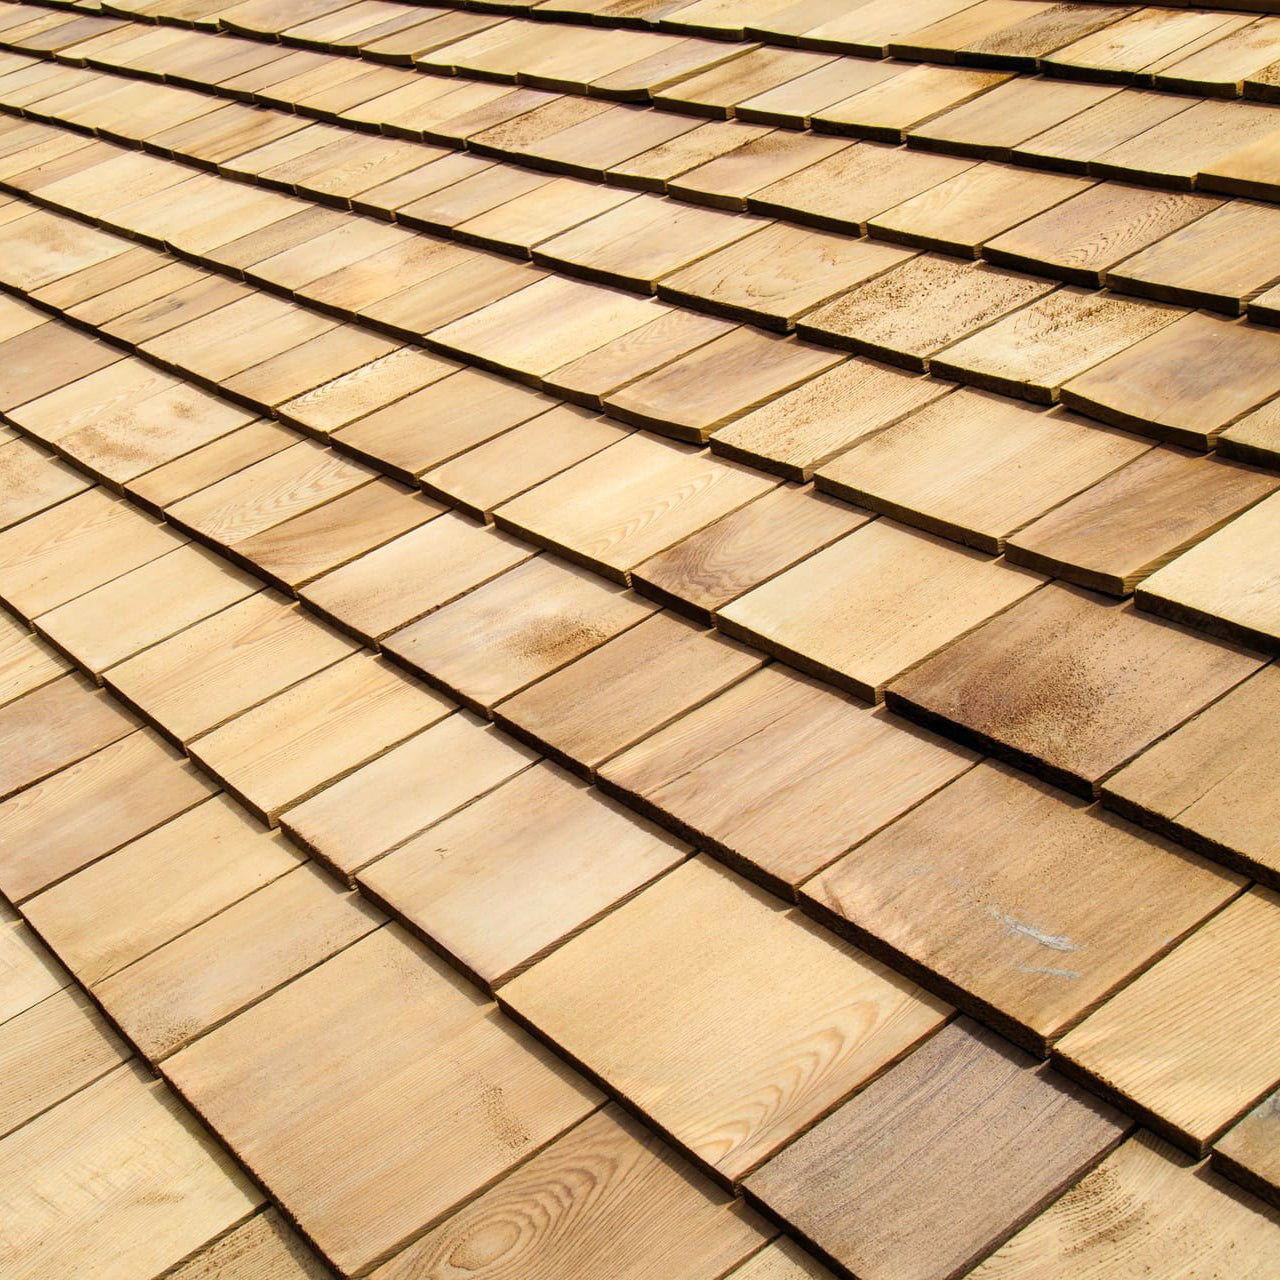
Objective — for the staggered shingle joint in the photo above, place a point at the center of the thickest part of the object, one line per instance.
(638, 640)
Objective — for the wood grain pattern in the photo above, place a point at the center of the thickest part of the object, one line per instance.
(233, 338)
(28, 972)
(889, 109)
(1226, 584)
(728, 376)
(1209, 784)
(1251, 170)
(844, 191)
(589, 378)
(1185, 382)
(195, 865)
(522, 626)
(68, 408)
(73, 547)
(444, 559)
(1082, 238)
(962, 213)
(1256, 436)
(545, 325)
(782, 1260)
(200, 677)
(873, 1184)
(794, 103)
(558, 1216)
(1032, 352)
(1140, 40)
(326, 725)
(341, 400)
(1114, 534)
(263, 1249)
(1175, 151)
(162, 301)
(51, 1051)
(652, 169)
(1187, 1060)
(53, 727)
(1017, 902)
(873, 604)
(709, 568)
(32, 481)
(919, 307)
(384, 1048)
(1146, 1210)
(775, 775)
(717, 91)
(728, 180)
(796, 431)
(395, 796)
(85, 811)
(870, 28)
(309, 364)
(774, 991)
(210, 463)
(533, 863)
(1070, 685)
(775, 275)
(171, 996)
(26, 662)
(624, 690)
(464, 410)
(135, 1184)
(144, 606)
(629, 501)
(587, 148)
(490, 474)
(644, 240)
(267, 493)
(1218, 261)
(295, 551)
(997, 120)
(1249, 1153)
(549, 211)
(976, 467)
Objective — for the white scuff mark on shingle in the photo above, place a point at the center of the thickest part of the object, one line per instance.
(1056, 941)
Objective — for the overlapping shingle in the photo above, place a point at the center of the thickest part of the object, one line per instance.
(280, 301)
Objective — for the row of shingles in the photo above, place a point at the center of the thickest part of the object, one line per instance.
(437, 836)
(921, 271)
(979, 129)
(526, 798)
(579, 539)
(561, 803)
(1240, 155)
(398, 97)
(871, 298)
(98, 1159)
(1222, 55)
(1007, 1079)
(144, 980)
(976, 294)
(69, 1109)
(383, 435)
(1173, 344)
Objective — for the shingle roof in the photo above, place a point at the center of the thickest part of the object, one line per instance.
(638, 639)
